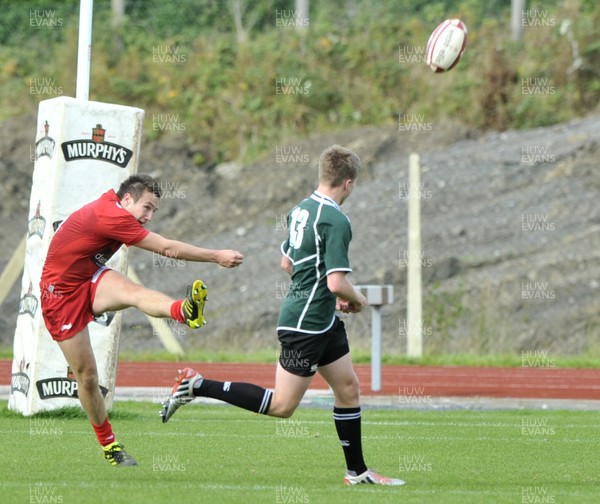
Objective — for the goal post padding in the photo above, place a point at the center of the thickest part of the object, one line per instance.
(82, 149)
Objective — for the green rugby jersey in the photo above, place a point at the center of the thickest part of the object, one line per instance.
(319, 235)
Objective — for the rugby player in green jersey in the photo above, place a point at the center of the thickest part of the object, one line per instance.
(313, 338)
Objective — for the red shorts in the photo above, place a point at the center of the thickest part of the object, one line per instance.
(67, 313)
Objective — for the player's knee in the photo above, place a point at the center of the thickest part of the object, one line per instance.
(134, 293)
(354, 391)
(88, 380)
(289, 411)
(350, 389)
(282, 410)
(350, 382)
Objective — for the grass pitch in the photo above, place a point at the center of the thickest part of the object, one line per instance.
(219, 454)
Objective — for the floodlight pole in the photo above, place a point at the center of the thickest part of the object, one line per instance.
(84, 50)
(414, 294)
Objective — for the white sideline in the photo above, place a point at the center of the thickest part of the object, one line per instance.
(324, 398)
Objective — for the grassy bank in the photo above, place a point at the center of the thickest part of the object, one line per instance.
(236, 93)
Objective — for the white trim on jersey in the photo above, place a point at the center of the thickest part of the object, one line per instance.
(333, 270)
(295, 262)
(321, 198)
(286, 254)
(317, 262)
(304, 260)
(305, 331)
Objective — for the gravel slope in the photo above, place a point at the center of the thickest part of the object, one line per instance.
(510, 235)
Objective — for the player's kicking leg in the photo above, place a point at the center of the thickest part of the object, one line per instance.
(117, 292)
(341, 377)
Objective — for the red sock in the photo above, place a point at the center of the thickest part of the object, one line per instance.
(104, 433)
(177, 312)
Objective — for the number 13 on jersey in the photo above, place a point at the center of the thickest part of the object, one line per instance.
(298, 220)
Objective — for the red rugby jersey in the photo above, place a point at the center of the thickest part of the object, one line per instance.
(87, 239)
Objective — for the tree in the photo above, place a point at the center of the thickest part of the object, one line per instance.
(238, 10)
(516, 20)
(117, 8)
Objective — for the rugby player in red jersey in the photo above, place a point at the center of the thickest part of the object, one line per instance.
(76, 286)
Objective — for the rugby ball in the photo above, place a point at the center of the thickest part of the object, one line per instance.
(446, 45)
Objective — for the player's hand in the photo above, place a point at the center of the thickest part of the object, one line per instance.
(229, 258)
(346, 307)
(349, 307)
(359, 304)
(341, 305)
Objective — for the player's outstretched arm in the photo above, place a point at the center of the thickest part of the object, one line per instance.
(181, 250)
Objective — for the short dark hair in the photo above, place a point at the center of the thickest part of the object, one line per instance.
(137, 184)
(337, 164)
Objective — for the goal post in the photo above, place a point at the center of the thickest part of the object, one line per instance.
(84, 49)
(82, 149)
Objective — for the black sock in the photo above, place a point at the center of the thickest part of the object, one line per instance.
(244, 395)
(347, 424)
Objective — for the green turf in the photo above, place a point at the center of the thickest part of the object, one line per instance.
(588, 361)
(219, 454)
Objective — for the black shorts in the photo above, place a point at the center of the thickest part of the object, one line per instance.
(302, 353)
